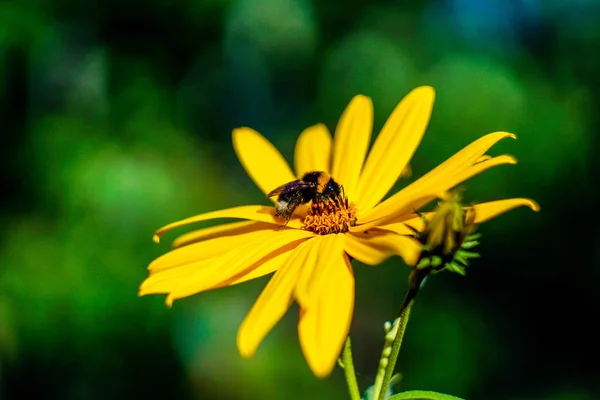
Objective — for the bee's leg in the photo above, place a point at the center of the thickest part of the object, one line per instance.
(293, 202)
(285, 214)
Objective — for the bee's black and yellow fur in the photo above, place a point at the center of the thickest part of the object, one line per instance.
(313, 186)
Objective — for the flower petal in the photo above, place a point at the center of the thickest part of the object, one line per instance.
(486, 211)
(472, 154)
(230, 229)
(313, 150)
(477, 169)
(443, 177)
(273, 302)
(224, 269)
(311, 281)
(483, 212)
(254, 213)
(350, 144)
(374, 247)
(167, 281)
(401, 208)
(238, 262)
(411, 202)
(395, 146)
(324, 326)
(402, 227)
(262, 161)
(275, 261)
(211, 247)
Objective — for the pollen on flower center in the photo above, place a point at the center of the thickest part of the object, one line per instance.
(330, 216)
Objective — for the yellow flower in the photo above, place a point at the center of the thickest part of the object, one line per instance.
(311, 254)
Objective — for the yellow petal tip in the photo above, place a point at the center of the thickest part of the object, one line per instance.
(142, 289)
(156, 238)
(244, 351)
(321, 371)
(499, 135)
(425, 90)
(243, 344)
(533, 205)
(361, 97)
(237, 132)
(169, 301)
(362, 101)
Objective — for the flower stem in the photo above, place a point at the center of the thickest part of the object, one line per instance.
(349, 371)
(415, 280)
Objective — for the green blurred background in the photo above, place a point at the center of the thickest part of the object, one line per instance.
(116, 119)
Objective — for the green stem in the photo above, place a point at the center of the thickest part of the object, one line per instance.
(349, 371)
(390, 335)
(414, 283)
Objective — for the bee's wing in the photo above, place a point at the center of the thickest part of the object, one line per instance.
(290, 187)
(277, 191)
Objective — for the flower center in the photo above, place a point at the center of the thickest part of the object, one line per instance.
(330, 216)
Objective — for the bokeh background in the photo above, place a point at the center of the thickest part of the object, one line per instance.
(116, 118)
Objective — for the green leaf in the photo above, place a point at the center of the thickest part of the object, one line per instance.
(470, 244)
(454, 267)
(424, 263)
(423, 395)
(468, 254)
(436, 261)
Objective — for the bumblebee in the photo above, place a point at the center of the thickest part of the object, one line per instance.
(314, 186)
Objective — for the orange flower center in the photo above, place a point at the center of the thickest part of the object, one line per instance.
(331, 216)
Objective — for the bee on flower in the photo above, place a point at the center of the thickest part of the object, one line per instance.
(327, 212)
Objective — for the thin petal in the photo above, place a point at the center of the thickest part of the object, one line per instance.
(254, 213)
(313, 150)
(273, 302)
(402, 227)
(483, 212)
(350, 144)
(210, 248)
(476, 170)
(402, 207)
(395, 146)
(225, 269)
(441, 178)
(472, 154)
(166, 282)
(265, 266)
(374, 247)
(230, 229)
(238, 262)
(416, 195)
(486, 211)
(262, 161)
(311, 281)
(271, 264)
(324, 326)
